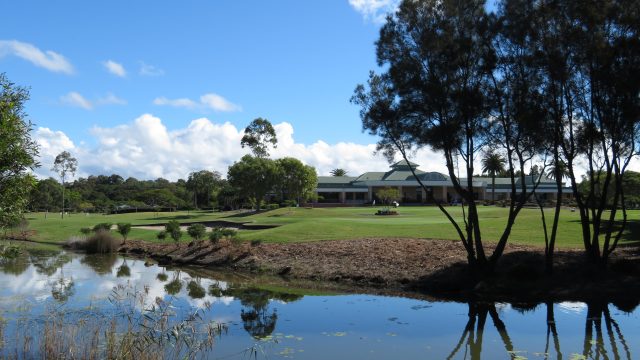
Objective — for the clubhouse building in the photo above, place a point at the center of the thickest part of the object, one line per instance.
(348, 190)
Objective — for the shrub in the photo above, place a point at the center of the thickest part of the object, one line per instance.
(162, 235)
(256, 242)
(173, 229)
(228, 232)
(197, 231)
(101, 242)
(289, 203)
(124, 229)
(86, 231)
(215, 236)
(272, 206)
(102, 226)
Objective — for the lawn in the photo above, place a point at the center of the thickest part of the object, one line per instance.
(304, 224)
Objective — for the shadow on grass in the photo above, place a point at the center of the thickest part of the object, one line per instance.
(175, 217)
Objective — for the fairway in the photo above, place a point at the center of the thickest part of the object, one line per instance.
(314, 224)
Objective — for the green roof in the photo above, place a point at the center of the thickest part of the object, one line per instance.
(404, 163)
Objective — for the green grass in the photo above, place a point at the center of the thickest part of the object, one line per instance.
(303, 224)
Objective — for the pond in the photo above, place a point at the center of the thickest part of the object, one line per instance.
(57, 302)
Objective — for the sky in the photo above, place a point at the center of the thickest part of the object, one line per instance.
(155, 89)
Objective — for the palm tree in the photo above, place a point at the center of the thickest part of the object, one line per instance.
(559, 170)
(493, 164)
(338, 172)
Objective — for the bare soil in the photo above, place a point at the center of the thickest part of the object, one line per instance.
(435, 267)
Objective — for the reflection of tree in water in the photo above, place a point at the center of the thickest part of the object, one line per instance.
(15, 266)
(174, 286)
(472, 335)
(162, 277)
(257, 318)
(102, 264)
(63, 288)
(48, 262)
(594, 348)
(195, 289)
(123, 270)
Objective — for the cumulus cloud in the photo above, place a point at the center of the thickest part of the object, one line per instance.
(374, 10)
(76, 100)
(207, 101)
(150, 70)
(115, 68)
(49, 60)
(146, 149)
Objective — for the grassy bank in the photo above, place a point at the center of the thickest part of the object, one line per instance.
(303, 224)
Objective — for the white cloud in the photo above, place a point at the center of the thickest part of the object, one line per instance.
(150, 70)
(115, 68)
(49, 60)
(146, 149)
(111, 99)
(182, 102)
(207, 101)
(374, 10)
(75, 99)
(218, 103)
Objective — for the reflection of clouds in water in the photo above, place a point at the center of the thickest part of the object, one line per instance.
(572, 307)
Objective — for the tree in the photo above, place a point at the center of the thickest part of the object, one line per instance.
(388, 194)
(203, 184)
(338, 172)
(47, 195)
(440, 61)
(493, 164)
(197, 231)
(254, 177)
(296, 180)
(64, 164)
(18, 153)
(258, 136)
(124, 229)
(173, 229)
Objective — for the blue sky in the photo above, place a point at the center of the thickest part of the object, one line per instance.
(289, 60)
(102, 75)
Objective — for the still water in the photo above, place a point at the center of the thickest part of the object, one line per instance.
(263, 320)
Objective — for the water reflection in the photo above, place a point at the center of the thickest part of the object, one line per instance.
(322, 326)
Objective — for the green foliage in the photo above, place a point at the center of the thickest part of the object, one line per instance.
(63, 165)
(124, 229)
(197, 231)
(254, 177)
(295, 180)
(204, 184)
(161, 235)
(173, 229)
(86, 231)
(338, 172)
(102, 227)
(9, 251)
(388, 194)
(258, 136)
(215, 236)
(272, 206)
(18, 153)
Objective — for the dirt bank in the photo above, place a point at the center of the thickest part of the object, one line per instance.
(435, 267)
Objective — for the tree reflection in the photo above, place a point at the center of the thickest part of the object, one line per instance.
(102, 264)
(48, 262)
(174, 286)
(258, 319)
(595, 346)
(473, 332)
(552, 331)
(123, 270)
(15, 266)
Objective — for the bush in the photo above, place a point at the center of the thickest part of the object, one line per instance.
(124, 229)
(102, 226)
(173, 229)
(289, 203)
(256, 242)
(162, 235)
(215, 236)
(387, 212)
(197, 231)
(272, 206)
(102, 242)
(86, 231)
